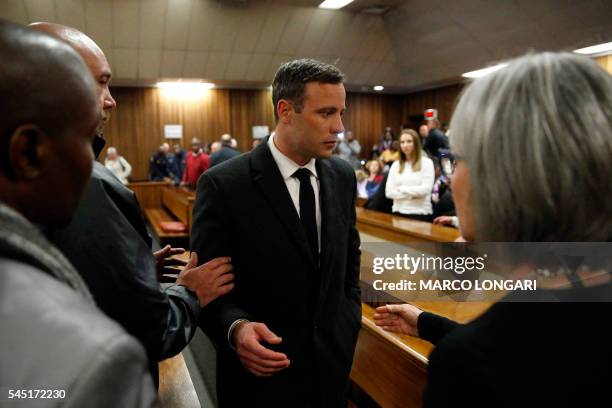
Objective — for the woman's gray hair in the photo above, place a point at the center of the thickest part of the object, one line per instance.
(536, 137)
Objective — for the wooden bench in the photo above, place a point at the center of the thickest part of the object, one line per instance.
(176, 204)
(176, 389)
(155, 216)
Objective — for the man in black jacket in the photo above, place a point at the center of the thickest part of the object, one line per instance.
(108, 243)
(435, 139)
(226, 151)
(285, 213)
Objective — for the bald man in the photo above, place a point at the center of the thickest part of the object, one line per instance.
(108, 243)
(53, 336)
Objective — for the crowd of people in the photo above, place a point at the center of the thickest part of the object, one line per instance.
(185, 168)
(273, 276)
(413, 173)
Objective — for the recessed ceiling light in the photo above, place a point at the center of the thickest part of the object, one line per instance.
(334, 4)
(379, 88)
(595, 49)
(482, 72)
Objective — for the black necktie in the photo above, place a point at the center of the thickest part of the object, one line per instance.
(308, 212)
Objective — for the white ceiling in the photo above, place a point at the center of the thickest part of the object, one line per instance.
(413, 45)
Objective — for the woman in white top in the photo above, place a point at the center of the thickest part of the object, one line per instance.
(411, 180)
(118, 165)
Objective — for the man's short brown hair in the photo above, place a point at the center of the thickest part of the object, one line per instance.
(291, 79)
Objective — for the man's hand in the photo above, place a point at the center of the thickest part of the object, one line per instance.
(208, 281)
(259, 360)
(164, 264)
(398, 318)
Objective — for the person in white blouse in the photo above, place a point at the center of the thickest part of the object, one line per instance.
(118, 165)
(411, 180)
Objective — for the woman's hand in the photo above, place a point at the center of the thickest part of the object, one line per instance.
(398, 318)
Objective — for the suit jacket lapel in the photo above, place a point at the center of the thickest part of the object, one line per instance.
(269, 179)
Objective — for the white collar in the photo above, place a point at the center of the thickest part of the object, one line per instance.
(287, 166)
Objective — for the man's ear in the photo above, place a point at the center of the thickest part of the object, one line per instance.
(284, 108)
(25, 150)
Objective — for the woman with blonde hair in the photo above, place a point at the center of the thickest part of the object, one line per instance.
(411, 179)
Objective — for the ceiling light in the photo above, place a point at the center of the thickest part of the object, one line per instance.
(184, 90)
(378, 87)
(482, 72)
(598, 49)
(334, 4)
(185, 85)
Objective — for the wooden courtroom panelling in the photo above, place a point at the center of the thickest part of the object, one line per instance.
(148, 193)
(367, 115)
(606, 62)
(250, 108)
(392, 368)
(443, 99)
(136, 126)
(399, 229)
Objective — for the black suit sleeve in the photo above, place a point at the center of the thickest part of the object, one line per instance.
(433, 327)
(210, 238)
(108, 244)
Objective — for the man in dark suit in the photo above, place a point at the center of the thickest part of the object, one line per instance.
(285, 214)
(108, 243)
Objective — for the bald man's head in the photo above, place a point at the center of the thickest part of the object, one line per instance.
(93, 57)
(48, 117)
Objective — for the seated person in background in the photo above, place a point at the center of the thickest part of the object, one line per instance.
(108, 243)
(118, 165)
(391, 154)
(197, 163)
(386, 140)
(411, 180)
(423, 132)
(362, 181)
(441, 196)
(224, 152)
(561, 97)
(159, 167)
(375, 177)
(53, 335)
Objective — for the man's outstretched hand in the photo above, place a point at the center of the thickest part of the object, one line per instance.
(165, 264)
(209, 280)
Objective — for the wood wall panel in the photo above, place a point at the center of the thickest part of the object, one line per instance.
(250, 108)
(367, 115)
(136, 125)
(443, 99)
(606, 62)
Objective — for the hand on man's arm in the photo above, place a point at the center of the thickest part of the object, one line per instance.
(209, 280)
(165, 264)
(259, 360)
